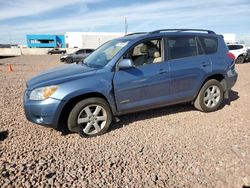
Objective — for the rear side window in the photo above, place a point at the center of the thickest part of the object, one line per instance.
(235, 47)
(209, 44)
(182, 46)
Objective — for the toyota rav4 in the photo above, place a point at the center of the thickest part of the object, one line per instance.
(139, 71)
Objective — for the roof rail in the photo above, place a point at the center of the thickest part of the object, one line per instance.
(136, 33)
(183, 30)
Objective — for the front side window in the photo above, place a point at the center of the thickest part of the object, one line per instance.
(89, 51)
(102, 56)
(80, 52)
(182, 46)
(146, 52)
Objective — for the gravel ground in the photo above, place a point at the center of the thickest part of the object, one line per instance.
(175, 146)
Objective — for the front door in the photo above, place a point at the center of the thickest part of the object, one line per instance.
(147, 84)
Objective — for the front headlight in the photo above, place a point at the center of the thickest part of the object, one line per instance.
(42, 93)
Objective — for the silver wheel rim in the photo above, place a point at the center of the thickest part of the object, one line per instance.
(212, 96)
(92, 119)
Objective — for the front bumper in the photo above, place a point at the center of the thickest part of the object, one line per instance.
(62, 59)
(45, 112)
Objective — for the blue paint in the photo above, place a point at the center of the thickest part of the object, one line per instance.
(45, 41)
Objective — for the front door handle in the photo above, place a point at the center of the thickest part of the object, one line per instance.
(162, 71)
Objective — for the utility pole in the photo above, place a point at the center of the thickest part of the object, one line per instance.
(126, 26)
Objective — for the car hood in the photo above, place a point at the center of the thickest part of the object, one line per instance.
(59, 75)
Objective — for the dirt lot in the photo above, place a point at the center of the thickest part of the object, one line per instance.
(170, 147)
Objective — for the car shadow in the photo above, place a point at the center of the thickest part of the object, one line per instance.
(164, 111)
(5, 57)
(233, 96)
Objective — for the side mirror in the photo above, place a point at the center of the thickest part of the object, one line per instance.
(126, 63)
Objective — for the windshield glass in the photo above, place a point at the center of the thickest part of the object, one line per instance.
(101, 56)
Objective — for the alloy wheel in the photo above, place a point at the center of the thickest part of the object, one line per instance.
(92, 119)
(212, 96)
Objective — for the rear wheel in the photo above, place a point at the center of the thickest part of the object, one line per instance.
(240, 59)
(210, 96)
(90, 117)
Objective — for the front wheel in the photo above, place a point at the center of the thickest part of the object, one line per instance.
(90, 117)
(69, 60)
(210, 96)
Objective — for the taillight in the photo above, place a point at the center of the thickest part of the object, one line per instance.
(230, 55)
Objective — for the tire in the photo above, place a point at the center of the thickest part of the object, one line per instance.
(240, 60)
(206, 102)
(90, 117)
(69, 60)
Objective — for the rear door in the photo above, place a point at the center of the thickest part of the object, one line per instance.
(188, 66)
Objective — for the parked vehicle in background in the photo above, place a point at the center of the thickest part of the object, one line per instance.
(130, 74)
(247, 59)
(239, 51)
(77, 56)
(56, 51)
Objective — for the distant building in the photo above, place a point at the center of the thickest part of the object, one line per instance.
(88, 39)
(8, 46)
(45, 41)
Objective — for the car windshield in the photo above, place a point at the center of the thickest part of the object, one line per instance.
(101, 56)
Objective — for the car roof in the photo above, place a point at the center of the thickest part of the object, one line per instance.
(169, 32)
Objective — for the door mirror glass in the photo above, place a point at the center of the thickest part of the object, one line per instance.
(126, 63)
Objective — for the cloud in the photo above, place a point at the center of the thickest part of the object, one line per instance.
(17, 8)
(141, 16)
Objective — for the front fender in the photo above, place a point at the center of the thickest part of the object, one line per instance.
(97, 84)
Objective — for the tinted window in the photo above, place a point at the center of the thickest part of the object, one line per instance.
(209, 44)
(235, 47)
(89, 51)
(80, 52)
(183, 46)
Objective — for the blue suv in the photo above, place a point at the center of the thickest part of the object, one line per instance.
(137, 72)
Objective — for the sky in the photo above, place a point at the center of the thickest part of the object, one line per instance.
(21, 17)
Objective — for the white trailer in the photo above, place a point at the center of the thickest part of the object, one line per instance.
(88, 39)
